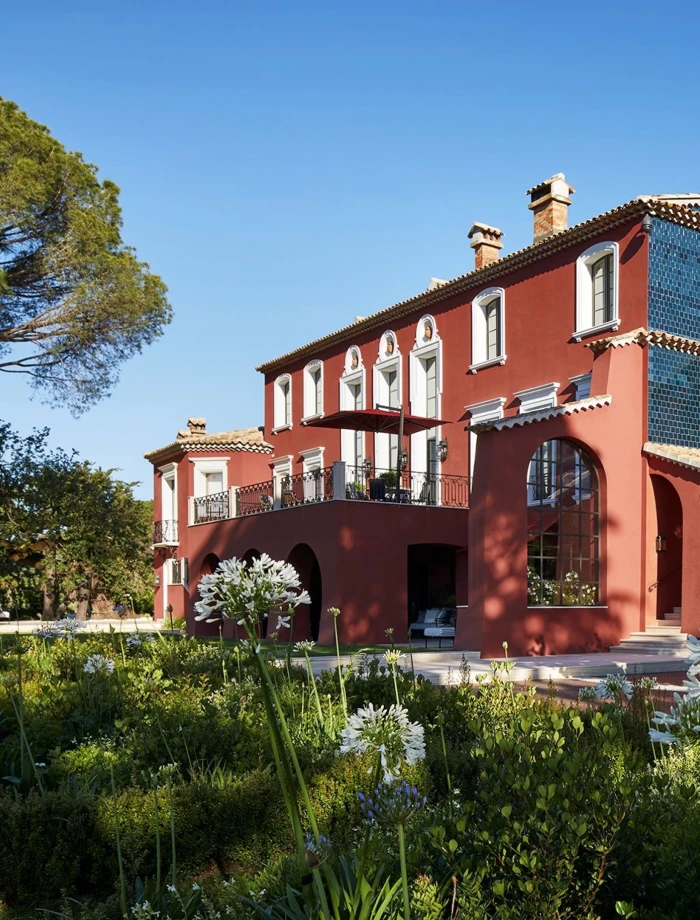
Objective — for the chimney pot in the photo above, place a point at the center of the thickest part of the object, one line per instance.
(549, 202)
(486, 243)
(197, 425)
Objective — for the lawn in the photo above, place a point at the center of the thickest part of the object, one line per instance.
(150, 779)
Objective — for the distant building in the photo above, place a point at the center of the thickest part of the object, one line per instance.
(558, 511)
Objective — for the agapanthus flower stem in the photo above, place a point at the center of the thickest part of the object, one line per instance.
(404, 874)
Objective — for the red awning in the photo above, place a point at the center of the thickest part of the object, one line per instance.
(379, 421)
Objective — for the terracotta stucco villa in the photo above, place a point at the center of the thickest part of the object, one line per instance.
(560, 509)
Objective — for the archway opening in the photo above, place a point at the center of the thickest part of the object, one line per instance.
(669, 547)
(432, 589)
(307, 620)
(209, 564)
(563, 527)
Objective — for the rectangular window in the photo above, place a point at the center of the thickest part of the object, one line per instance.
(356, 398)
(602, 276)
(392, 379)
(214, 483)
(493, 329)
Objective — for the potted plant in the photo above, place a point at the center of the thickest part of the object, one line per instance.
(389, 478)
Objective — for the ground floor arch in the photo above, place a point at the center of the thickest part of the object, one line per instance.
(668, 585)
(307, 620)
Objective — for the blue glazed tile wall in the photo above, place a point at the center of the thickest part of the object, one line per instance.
(674, 306)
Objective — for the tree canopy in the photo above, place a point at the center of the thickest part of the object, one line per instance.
(75, 302)
(68, 531)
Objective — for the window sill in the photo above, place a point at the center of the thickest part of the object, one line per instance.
(311, 418)
(281, 428)
(567, 606)
(492, 362)
(612, 326)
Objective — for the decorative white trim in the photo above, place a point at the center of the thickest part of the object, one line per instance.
(208, 465)
(284, 459)
(279, 411)
(479, 330)
(584, 304)
(348, 369)
(167, 468)
(383, 354)
(347, 435)
(381, 396)
(421, 338)
(309, 394)
(533, 399)
(312, 452)
(201, 461)
(489, 410)
(612, 326)
(513, 421)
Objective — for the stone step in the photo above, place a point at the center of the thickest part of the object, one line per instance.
(627, 647)
(662, 641)
(662, 629)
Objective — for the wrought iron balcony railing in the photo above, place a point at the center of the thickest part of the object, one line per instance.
(211, 508)
(165, 533)
(438, 489)
(307, 488)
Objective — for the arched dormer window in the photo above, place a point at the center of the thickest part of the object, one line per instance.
(313, 390)
(282, 403)
(426, 331)
(563, 527)
(597, 294)
(388, 347)
(488, 329)
(353, 361)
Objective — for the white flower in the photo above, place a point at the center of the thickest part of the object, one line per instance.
(612, 685)
(692, 685)
(587, 693)
(96, 663)
(245, 591)
(283, 622)
(389, 733)
(392, 657)
(60, 629)
(304, 646)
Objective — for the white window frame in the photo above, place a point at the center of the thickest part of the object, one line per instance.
(281, 467)
(584, 290)
(582, 382)
(312, 459)
(423, 350)
(479, 330)
(490, 410)
(537, 398)
(384, 365)
(202, 466)
(281, 423)
(350, 378)
(310, 410)
(169, 474)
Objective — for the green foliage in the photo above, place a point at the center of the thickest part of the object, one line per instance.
(75, 302)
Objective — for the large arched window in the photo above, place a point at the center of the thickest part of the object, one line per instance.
(563, 527)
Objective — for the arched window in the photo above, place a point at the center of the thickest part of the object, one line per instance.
(597, 301)
(488, 329)
(313, 390)
(282, 403)
(563, 527)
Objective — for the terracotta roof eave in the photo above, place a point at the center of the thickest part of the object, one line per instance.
(641, 337)
(182, 447)
(645, 204)
(541, 415)
(688, 457)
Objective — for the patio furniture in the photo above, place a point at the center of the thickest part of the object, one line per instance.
(439, 632)
(433, 618)
(377, 490)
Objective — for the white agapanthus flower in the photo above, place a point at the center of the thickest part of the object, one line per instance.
(98, 663)
(283, 622)
(304, 646)
(587, 693)
(392, 657)
(681, 725)
(611, 686)
(136, 640)
(60, 629)
(245, 592)
(389, 733)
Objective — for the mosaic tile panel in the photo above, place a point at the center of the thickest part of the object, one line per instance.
(674, 306)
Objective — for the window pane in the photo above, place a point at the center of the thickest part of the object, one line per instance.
(602, 277)
(492, 313)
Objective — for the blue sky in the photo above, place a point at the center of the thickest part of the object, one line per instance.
(287, 166)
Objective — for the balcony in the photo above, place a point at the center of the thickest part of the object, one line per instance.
(333, 483)
(165, 533)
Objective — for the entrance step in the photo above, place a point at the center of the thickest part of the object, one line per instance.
(662, 628)
(657, 640)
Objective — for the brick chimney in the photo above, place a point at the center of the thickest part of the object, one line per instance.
(549, 201)
(197, 425)
(486, 243)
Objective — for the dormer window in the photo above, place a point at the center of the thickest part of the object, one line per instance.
(313, 390)
(283, 403)
(488, 329)
(425, 331)
(597, 300)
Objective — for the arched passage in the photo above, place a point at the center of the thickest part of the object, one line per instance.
(209, 564)
(249, 555)
(307, 619)
(669, 546)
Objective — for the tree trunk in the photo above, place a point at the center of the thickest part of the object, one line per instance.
(48, 612)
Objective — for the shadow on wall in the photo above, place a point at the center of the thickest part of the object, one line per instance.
(668, 584)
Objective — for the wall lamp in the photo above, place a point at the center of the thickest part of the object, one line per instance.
(647, 223)
(156, 581)
(442, 450)
(661, 544)
(367, 467)
(404, 459)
